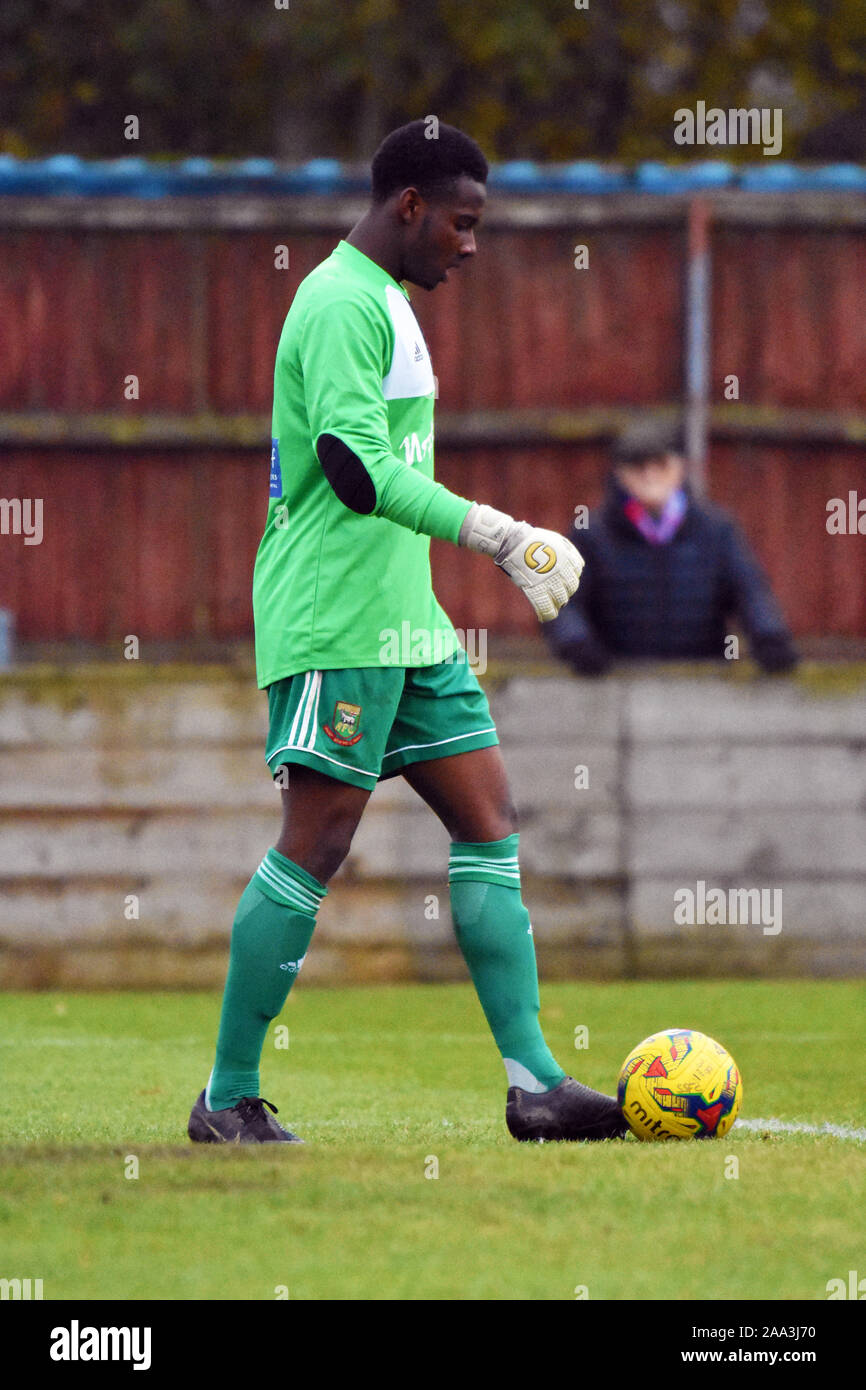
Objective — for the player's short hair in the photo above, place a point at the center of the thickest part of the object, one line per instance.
(415, 157)
(648, 439)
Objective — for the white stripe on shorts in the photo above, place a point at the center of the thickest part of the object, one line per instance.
(293, 732)
(315, 710)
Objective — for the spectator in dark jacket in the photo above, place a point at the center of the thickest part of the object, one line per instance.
(665, 574)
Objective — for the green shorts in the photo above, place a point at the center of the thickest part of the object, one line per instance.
(367, 723)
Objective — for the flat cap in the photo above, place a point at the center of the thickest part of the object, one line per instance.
(646, 439)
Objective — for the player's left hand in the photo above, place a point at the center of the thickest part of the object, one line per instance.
(542, 563)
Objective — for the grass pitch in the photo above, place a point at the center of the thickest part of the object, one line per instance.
(390, 1086)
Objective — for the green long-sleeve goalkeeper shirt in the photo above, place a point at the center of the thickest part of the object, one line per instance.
(329, 581)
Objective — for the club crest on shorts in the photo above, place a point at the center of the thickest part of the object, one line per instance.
(345, 719)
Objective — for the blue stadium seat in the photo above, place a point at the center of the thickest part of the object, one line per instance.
(654, 177)
(136, 177)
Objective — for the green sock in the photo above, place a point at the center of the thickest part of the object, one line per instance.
(495, 936)
(272, 929)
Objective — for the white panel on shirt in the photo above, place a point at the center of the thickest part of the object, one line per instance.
(411, 372)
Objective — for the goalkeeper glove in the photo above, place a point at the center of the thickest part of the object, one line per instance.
(542, 563)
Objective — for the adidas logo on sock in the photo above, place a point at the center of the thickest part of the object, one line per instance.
(293, 966)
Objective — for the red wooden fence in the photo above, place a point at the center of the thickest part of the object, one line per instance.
(153, 507)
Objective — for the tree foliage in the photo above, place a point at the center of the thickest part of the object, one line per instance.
(535, 79)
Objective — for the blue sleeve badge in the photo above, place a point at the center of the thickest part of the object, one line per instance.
(276, 483)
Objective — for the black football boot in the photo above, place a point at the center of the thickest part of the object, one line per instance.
(569, 1111)
(245, 1123)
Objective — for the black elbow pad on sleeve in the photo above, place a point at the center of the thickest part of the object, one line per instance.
(346, 474)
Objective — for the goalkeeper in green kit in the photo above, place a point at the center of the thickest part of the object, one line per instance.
(344, 560)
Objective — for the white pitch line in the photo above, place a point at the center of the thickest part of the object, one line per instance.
(794, 1127)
